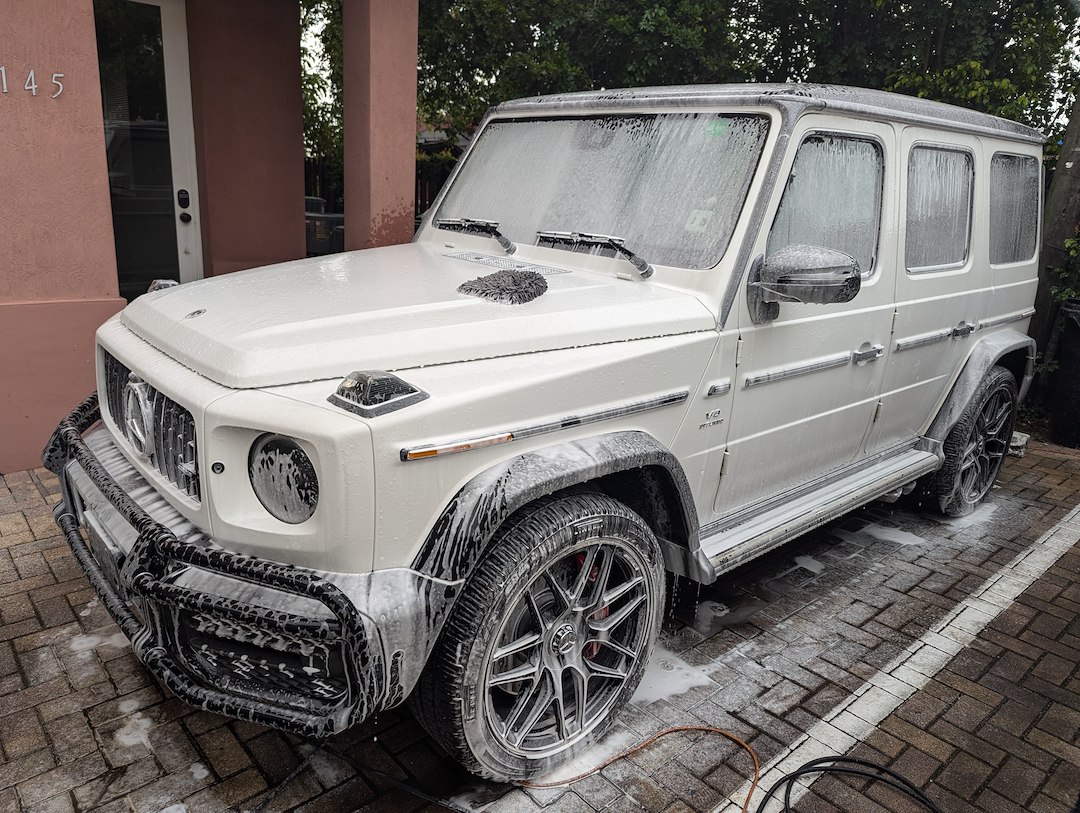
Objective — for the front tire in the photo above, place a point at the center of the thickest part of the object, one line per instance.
(549, 639)
(977, 445)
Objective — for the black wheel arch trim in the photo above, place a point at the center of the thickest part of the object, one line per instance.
(987, 352)
(467, 524)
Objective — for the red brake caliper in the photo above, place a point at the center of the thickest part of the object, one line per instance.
(590, 651)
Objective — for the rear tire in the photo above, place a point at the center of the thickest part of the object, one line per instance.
(549, 639)
(977, 445)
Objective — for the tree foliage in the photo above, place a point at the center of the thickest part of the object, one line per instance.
(476, 53)
(1003, 57)
(321, 89)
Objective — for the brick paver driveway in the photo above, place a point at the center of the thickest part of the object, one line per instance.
(892, 635)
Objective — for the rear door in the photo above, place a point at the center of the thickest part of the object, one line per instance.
(942, 279)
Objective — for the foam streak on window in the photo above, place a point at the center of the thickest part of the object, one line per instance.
(938, 208)
(672, 185)
(1014, 207)
(833, 198)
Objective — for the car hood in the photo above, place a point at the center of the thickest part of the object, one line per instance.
(390, 309)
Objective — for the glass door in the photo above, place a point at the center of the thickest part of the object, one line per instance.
(149, 141)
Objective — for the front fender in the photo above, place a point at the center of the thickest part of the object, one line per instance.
(467, 524)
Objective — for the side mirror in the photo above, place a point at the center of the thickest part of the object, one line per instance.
(808, 274)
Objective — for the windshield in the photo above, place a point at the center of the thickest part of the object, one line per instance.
(670, 185)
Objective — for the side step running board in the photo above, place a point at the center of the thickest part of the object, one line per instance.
(732, 547)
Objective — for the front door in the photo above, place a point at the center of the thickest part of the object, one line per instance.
(807, 382)
(149, 141)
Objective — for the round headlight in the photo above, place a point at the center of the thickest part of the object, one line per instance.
(284, 478)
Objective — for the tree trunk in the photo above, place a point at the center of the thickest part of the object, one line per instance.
(1061, 213)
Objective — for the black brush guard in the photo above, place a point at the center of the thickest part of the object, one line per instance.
(157, 552)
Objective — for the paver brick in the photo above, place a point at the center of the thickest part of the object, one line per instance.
(228, 795)
(116, 783)
(61, 779)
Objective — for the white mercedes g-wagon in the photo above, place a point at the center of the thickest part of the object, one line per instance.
(640, 331)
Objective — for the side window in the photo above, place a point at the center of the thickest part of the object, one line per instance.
(1014, 207)
(938, 208)
(833, 198)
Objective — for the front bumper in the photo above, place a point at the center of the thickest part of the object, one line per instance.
(237, 635)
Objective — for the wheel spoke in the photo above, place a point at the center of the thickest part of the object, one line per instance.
(580, 681)
(534, 608)
(528, 708)
(581, 583)
(978, 475)
(617, 617)
(563, 722)
(566, 598)
(970, 451)
(603, 639)
(515, 675)
(998, 415)
(599, 670)
(521, 644)
(617, 592)
(602, 578)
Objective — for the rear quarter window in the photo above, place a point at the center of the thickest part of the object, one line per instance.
(1014, 208)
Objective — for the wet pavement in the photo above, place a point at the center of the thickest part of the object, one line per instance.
(947, 650)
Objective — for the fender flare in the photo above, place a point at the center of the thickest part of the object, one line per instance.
(987, 352)
(467, 524)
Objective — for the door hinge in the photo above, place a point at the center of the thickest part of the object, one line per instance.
(738, 351)
(878, 410)
(723, 462)
(892, 329)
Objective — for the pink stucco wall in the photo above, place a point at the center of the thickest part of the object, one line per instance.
(57, 263)
(249, 138)
(379, 85)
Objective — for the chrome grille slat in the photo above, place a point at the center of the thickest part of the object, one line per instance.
(174, 444)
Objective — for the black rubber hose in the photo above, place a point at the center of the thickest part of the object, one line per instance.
(876, 773)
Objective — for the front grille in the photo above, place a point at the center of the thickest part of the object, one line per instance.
(171, 445)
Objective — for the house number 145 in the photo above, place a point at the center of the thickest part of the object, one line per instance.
(31, 83)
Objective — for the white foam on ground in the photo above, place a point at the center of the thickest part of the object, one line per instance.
(667, 675)
(92, 640)
(89, 608)
(810, 563)
(976, 517)
(473, 798)
(134, 731)
(885, 533)
(199, 771)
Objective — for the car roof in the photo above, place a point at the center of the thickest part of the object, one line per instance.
(862, 102)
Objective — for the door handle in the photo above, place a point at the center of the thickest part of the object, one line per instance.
(868, 352)
(963, 329)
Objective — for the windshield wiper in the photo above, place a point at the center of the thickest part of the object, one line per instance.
(488, 227)
(585, 238)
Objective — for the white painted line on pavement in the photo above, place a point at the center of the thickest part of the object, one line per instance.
(858, 716)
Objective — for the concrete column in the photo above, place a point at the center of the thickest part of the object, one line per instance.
(57, 260)
(379, 84)
(249, 131)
